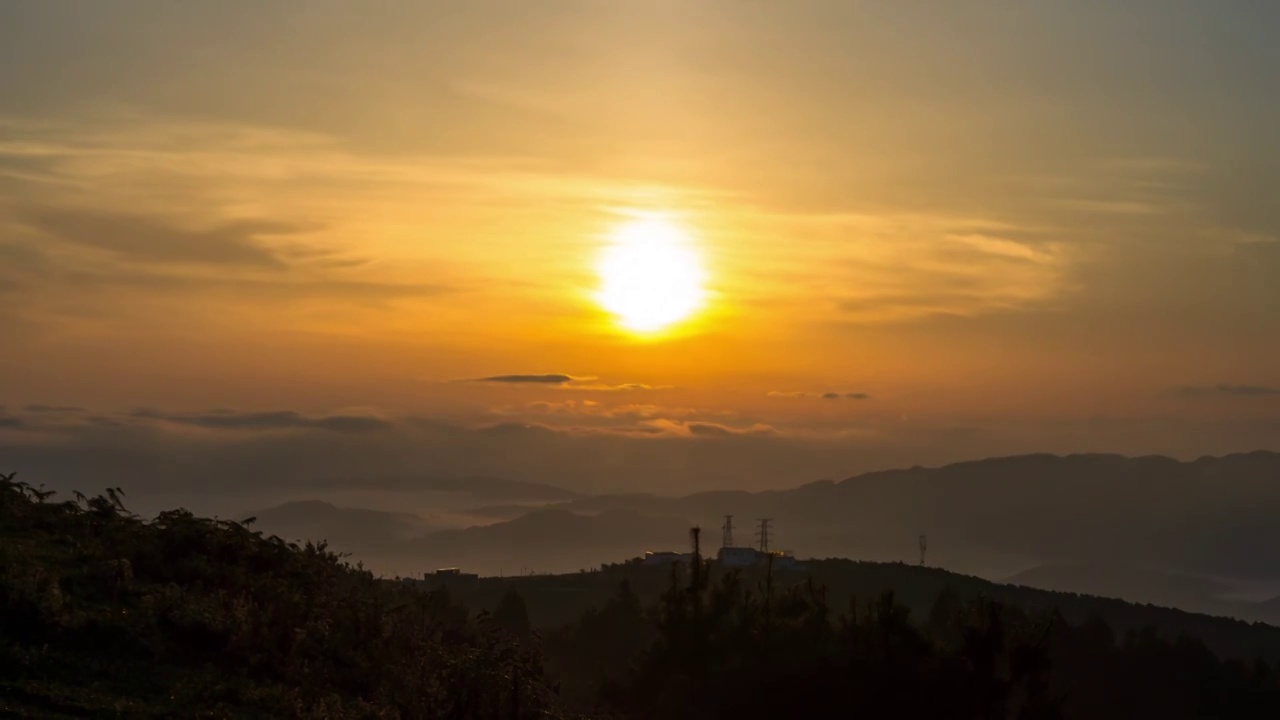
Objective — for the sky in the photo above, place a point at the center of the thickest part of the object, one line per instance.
(250, 245)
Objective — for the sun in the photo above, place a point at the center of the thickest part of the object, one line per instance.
(650, 275)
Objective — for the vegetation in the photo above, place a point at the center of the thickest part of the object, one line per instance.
(106, 614)
(725, 648)
(557, 600)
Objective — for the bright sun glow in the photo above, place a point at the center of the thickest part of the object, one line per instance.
(650, 276)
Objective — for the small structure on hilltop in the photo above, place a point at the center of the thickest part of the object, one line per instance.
(450, 576)
(665, 557)
(730, 555)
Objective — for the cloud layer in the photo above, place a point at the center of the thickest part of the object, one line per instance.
(278, 420)
(234, 456)
(1230, 390)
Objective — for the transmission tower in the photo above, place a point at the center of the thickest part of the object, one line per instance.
(924, 545)
(727, 540)
(763, 534)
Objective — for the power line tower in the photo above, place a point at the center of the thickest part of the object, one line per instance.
(727, 540)
(763, 534)
(924, 545)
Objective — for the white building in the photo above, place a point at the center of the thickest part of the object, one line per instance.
(665, 557)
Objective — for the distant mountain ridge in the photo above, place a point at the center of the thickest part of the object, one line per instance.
(1158, 526)
(1212, 515)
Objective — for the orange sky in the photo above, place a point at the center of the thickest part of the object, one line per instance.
(1006, 220)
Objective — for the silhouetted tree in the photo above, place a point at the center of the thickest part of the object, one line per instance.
(512, 615)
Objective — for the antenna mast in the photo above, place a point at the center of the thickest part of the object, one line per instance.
(924, 545)
(695, 565)
(727, 541)
(763, 534)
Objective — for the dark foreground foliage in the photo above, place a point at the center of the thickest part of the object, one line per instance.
(103, 614)
(724, 649)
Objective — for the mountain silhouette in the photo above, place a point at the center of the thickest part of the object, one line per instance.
(1148, 529)
(1211, 516)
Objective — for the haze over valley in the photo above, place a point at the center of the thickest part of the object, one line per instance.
(1197, 535)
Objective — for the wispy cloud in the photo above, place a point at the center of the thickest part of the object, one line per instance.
(906, 267)
(150, 239)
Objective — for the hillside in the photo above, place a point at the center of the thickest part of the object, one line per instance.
(554, 600)
(1169, 589)
(104, 614)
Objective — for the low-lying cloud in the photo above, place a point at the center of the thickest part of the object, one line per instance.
(1227, 389)
(544, 379)
(277, 420)
(52, 409)
(829, 395)
(568, 382)
(246, 455)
